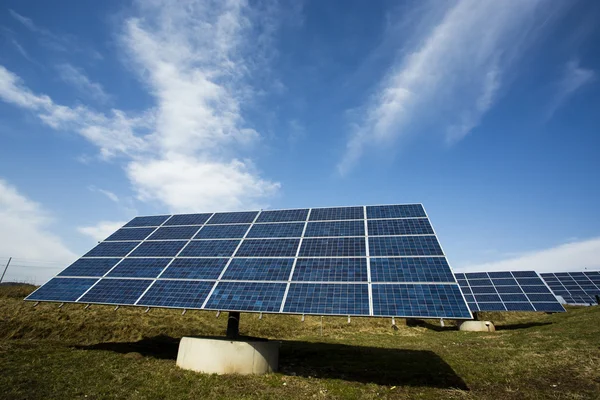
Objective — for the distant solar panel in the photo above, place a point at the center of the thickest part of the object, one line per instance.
(372, 261)
(577, 288)
(507, 291)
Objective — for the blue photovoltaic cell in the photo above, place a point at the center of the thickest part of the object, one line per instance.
(90, 267)
(491, 307)
(333, 247)
(404, 246)
(112, 249)
(130, 234)
(195, 268)
(279, 230)
(259, 269)
(512, 297)
(579, 288)
(519, 307)
(210, 248)
(116, 291)
(247, 296)
(336, 213)
(188, 219)
(139, 268)
(525, 274)
(242, 217)
(331, 270)
(500, 275)
(62, 289)
(480, 282)
(502, 291)
(223, 231)
(327, 299)
(159, 249)
(549, 307)
(530, 281)
(283, 215)
(487, 298)
(153, 220)
(504, 282)
(396, 211)
(391, 227)
(268, 248)
(335, 228)
(180, 294)
(411, 300)
(174, 232)
(406, 269)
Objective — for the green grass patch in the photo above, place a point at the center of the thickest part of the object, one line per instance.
(99, 353)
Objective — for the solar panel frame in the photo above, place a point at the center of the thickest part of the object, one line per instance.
(346, 222)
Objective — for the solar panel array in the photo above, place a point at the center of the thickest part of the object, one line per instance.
(507, 291)
(579, 288)
(365, 260)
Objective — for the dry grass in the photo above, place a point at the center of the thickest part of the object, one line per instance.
(51, 353)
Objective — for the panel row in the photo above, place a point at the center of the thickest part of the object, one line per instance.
(578, 288)
(507, 291)
(316, 214)
(421, 269)
(311, 247)
(399, 300)
(384, 227)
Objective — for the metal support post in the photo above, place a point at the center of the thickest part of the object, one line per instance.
(5, 268)
(233, 325)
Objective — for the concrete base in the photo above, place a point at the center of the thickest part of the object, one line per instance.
(477, 326)
(215, 356)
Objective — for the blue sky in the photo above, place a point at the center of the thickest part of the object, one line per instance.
(486, 112)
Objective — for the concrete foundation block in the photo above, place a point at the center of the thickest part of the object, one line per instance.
(216, 356)
(477, 326)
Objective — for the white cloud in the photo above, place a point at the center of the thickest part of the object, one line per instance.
(110, 195)
(77, 78)
(453, 73)
(573, 256)
(25, 235)
(189, 185)
(101, 230)
(574, 78)
(187, 152)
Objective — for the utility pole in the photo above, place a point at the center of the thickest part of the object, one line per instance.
(5, 268)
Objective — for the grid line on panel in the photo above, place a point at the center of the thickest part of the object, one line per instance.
(368, 254)
(229, 261)
(171, 262)
(132, 250)
(287, 287)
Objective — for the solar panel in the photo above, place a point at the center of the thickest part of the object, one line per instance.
(507, 291)
(577, 288)
(372, 261)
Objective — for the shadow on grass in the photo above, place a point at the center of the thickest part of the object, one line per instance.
(382, 366)
(521, 326)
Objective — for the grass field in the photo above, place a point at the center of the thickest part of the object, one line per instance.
(98, 353)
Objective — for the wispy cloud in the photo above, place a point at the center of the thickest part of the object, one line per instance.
(101, 230)
(79, 80)
(574, 78)
(572, 256)
(25, 234)
(188, 152)
(452, 75)
(53, 41)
